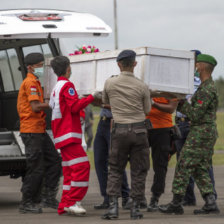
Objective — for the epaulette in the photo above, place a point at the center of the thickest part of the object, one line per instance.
(113, 76)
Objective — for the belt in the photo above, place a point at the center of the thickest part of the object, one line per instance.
(104, 118)
(117, 125)
(182, 119)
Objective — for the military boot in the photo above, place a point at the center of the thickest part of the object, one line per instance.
(210, 205)
(153, 205)
(112, 212)
(134, 212)
(125, 201)
(175, 206)
(48, 198)
(27, 206)
(143, 203)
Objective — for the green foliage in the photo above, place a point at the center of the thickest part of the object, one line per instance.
(220, 126)
(220, 87)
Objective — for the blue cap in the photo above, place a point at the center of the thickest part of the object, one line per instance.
(197, 52)
(125, 54)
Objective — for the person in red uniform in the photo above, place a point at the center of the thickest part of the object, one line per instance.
(67, 132)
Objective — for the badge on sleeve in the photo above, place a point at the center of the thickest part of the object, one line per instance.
(33, 88)
(71, 91)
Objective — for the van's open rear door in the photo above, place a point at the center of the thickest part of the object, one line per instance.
(43, 23)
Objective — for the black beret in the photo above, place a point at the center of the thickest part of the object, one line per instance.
(125, 54)
(33, 58)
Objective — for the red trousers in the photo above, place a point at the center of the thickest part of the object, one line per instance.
(76, 168)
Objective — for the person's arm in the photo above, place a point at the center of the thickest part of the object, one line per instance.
(34, 97)
(105, 98)
(168, 108)
(146, 101)
(37, 106)
(196, 112)
(72, 99)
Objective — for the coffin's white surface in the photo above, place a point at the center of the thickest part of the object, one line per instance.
(161, 69)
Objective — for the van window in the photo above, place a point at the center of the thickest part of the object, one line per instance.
(43, 49)
(46, 51)
(6, 71)
(14, 64)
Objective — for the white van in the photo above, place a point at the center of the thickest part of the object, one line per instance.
(23, 32)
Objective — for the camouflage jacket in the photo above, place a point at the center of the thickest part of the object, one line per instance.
(204, 104)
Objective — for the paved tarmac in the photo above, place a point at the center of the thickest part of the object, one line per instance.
(10, 198)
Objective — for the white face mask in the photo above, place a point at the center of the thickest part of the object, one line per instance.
(39, 72)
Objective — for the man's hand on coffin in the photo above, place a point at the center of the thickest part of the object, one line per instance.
(180, 104)
(97, 99)
(97, 95)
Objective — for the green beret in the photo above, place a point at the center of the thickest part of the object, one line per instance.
(207, 59)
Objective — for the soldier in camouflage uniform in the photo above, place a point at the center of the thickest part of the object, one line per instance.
(196, 155)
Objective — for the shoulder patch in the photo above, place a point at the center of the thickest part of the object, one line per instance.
(71, 91)
(113, 76)
(33, 88)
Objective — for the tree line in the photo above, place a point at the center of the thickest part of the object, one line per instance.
(220, 87)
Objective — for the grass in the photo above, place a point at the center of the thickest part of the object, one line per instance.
(218, 158)
(220, 125)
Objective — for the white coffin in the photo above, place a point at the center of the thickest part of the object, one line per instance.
(170, 71)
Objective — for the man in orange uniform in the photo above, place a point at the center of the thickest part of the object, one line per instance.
(160, 142)
(41, 157)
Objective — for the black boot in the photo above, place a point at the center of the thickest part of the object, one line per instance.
(143, 203)
(175, 206)
(153, 205)
(112, 212)
(125, 201)
(48, 198)
(27, 206)
(210, 205)
(104, 205)
(135, 213)
(128, 204)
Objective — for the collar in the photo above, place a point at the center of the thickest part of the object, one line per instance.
(127, 73)
(62, 78)
(207, 81)
(32, 76)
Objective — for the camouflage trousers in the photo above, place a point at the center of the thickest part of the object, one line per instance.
(195, 160)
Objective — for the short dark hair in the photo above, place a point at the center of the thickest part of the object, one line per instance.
(60, 64)
(33, 58)
(127, 62)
